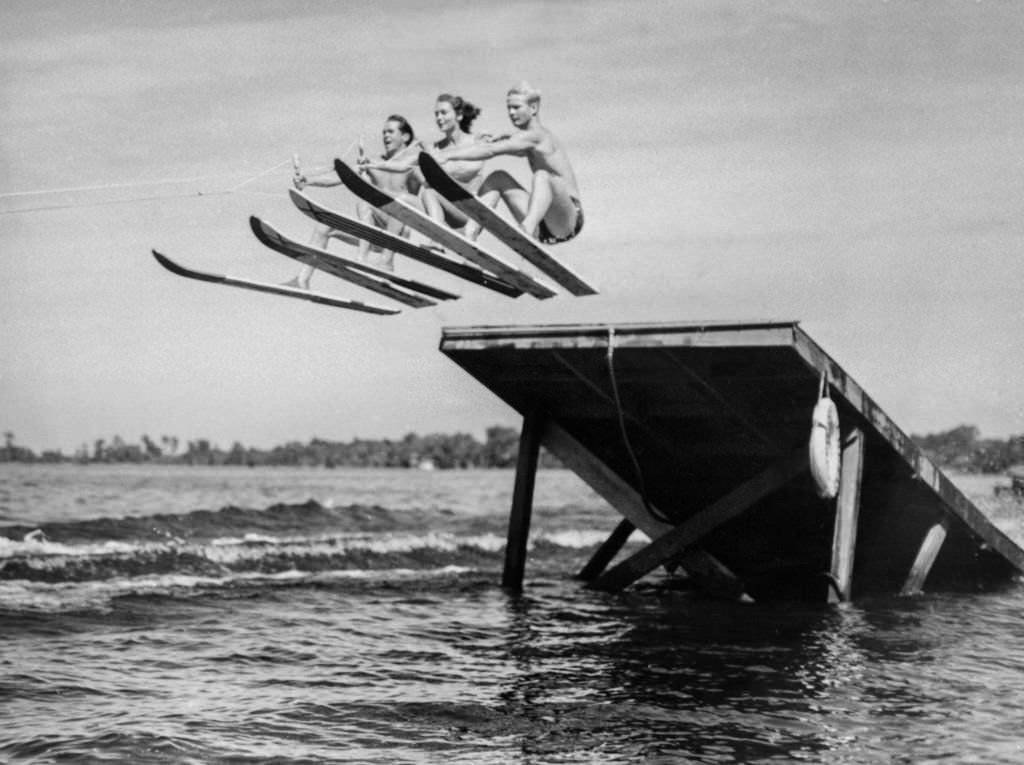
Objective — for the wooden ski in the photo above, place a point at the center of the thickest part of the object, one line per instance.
(273, 289)
(440, 233)
(505, 231)
(387, 241)
(366, 276)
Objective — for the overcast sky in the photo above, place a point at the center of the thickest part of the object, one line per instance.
(856, 166)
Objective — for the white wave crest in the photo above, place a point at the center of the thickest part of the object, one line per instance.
(49, 597)
(40, 553)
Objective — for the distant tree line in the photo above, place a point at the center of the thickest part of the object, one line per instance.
(436, 450)
(961, 448)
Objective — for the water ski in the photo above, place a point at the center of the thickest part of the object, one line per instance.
(362, 274)
(388, 241)
(273, 289)
(506, 232)
(438, 232)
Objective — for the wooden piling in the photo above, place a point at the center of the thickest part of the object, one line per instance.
(844, 537)
(925, 558)
(522, 501)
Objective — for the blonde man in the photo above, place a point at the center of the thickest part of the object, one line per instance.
(550, 209)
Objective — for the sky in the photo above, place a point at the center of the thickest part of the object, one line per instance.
(856, 166)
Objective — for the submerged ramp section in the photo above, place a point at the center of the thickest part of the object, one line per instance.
(698, 435)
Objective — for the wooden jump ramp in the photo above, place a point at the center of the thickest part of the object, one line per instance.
(697, 434)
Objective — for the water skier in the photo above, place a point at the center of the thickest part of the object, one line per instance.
(397, 136)
(550, 209)
(454, 117)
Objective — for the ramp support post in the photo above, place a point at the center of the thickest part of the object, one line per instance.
(844, 535)
(522, 501)
(926, 555)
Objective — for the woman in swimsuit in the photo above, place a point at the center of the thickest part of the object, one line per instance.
(454, 117)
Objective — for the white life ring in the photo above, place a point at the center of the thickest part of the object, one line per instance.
(824, 448)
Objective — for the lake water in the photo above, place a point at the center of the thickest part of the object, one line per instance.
(194, 615)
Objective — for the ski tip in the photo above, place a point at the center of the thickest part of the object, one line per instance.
(359, 186)
(341, 168)
(180, 270)
(267, 234)
(167, 263)
(263, 230)
(437, 177)
(302, 203)
(257, 228)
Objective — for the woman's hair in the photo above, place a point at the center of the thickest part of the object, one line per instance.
(403, 126)
(526, 90)
(464, 110)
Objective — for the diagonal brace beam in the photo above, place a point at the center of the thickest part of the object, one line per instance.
(607, 551)
(624, 498)
(733, 504)
(601, 478)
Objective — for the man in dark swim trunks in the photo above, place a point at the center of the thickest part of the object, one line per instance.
(550, 209)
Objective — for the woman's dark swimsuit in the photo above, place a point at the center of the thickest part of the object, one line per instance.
(546, 237)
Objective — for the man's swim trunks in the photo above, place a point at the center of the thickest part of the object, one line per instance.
(546, 237)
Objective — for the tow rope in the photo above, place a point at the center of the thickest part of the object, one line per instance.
(654, 513)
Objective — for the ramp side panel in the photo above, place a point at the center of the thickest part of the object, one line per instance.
(920, 467)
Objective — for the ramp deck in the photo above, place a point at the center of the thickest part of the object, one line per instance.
(697, 433)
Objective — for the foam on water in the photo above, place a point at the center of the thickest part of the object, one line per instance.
(307, 537)
(87, 564)
(50, 597)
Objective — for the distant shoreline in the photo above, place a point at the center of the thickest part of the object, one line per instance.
(441, 451)
(961, 449)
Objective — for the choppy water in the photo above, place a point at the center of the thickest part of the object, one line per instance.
(157, 614)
